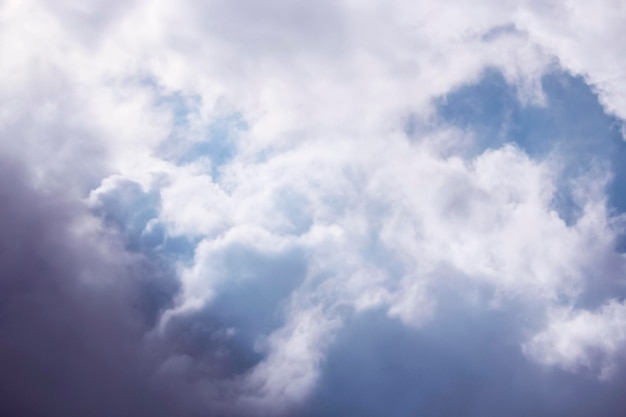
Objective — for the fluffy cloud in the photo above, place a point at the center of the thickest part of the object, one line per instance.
(292, 166)
(582, 339)
(573, 33)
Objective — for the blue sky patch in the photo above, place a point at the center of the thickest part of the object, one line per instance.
(572, 124)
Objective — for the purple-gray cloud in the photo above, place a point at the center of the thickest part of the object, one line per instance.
(72, 323)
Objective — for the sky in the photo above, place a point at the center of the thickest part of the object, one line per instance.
(285, 208)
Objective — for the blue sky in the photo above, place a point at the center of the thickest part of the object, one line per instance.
(274, 208)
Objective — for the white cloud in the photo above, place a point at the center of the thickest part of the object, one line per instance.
(289, 373)
(583, 37)
(581, 339)
(323, 165)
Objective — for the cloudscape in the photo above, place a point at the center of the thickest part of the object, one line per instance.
(286, 208)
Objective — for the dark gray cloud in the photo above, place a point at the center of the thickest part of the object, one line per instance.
(73, 315)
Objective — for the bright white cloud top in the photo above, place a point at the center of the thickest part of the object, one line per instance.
(304, 166)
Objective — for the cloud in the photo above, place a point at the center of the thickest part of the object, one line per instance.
(249, 184)
(467, 361)
(72, 313)
(574, 32)
(582, 339)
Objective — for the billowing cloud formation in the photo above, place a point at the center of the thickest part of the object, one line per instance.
(73, 319)
(295, 208)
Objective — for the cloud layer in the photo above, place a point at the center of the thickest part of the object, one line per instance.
(286, 208)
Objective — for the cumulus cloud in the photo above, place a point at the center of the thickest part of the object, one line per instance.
(245, 185)
(582, 339)
(573, 32)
